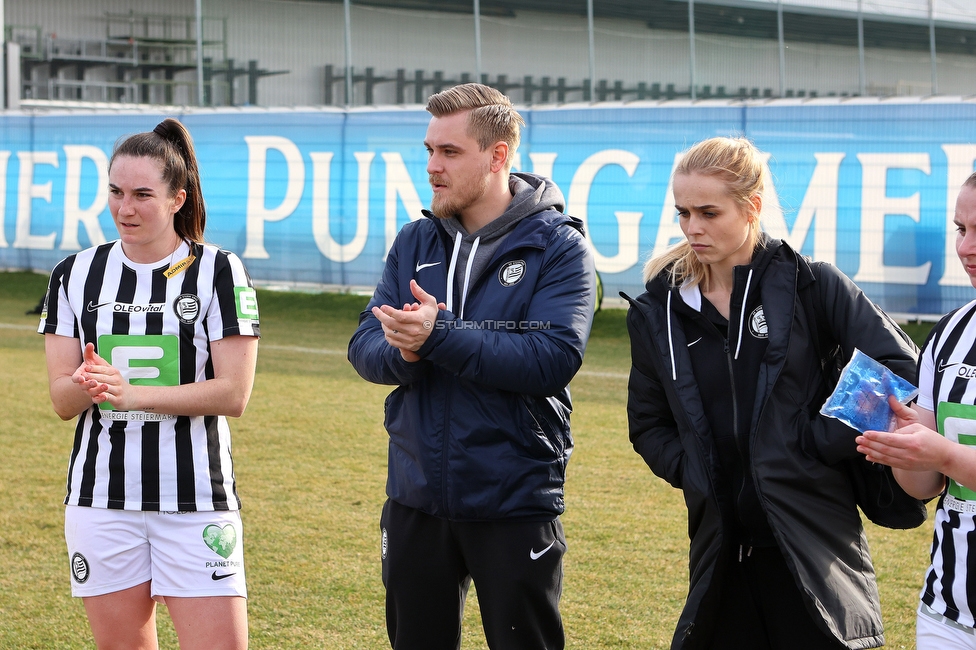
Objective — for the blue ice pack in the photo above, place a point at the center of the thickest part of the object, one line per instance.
(860, 399)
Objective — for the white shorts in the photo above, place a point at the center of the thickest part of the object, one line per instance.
(933, 631)
(183, 554)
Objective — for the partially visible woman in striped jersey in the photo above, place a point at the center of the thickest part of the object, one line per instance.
(151, 344)
(933, 453)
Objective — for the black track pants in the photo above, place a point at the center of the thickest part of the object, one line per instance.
(762, 609)
(429, 562)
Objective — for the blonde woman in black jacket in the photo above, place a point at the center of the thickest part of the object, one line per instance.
(724, 395)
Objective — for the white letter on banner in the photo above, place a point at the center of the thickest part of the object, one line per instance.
(668, 229)
(628, 223)
(399, 184)
(820, 201)
(4, 157)
(73, 213)
(959, 158)
(875, 205)
(257, 213)
(27, 191)
(321, 226)
(364, 159)
(542, 163)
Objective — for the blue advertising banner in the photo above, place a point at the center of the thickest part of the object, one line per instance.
(317, 196)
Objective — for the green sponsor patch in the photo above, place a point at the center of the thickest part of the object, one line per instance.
(147, 360)
(957, 422)
(220, 540)
(247, 303)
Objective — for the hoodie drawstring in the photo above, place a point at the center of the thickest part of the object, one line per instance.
(467, 274)
(748, 552)
(742, 314)
(674, 372)
(742, 318)
(450, 274)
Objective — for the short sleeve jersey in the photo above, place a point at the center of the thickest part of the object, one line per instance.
(947, 387)
(154, 323)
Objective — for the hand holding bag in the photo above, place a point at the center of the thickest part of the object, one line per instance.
(875, 489)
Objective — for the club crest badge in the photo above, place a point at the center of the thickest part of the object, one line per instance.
(757, 323)
(187, 308)
(511, 273)
(79, 568)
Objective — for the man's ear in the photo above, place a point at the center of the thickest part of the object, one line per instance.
(499, 155)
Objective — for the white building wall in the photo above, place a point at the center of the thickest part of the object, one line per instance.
(302, 37)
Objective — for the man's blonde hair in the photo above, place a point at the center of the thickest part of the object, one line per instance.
(492, 117)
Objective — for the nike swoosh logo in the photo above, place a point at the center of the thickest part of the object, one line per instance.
(943, 365)
(535, 556)
(93, 307)
(695, 341)
(424, 266)
(221, 577)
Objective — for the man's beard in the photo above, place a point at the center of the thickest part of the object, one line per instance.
(444, 207)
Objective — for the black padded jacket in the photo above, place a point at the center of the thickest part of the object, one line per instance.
(794, 451)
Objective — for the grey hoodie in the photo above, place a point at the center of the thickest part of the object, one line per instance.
(473, 251)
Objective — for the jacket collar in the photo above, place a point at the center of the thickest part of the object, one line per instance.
(533, 231)
(660, 295)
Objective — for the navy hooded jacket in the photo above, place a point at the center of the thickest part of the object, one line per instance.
(479, 426)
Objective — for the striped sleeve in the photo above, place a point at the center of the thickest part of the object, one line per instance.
(926, 375)
(56, 315)
(235, 310)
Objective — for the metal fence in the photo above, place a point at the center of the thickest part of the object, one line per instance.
(376, 52)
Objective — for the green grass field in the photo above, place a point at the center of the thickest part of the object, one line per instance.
(310, 456)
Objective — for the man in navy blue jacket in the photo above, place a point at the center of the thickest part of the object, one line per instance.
(480, 320)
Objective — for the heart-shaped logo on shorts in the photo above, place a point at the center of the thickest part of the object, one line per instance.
(220, 540)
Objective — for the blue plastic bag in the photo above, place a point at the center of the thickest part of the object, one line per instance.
(860, 399)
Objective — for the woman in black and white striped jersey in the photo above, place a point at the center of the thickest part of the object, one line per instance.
(151, 344)
(927, 464)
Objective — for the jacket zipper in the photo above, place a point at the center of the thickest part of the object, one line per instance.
(445, 441)
(735, 402)
(736, 433)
